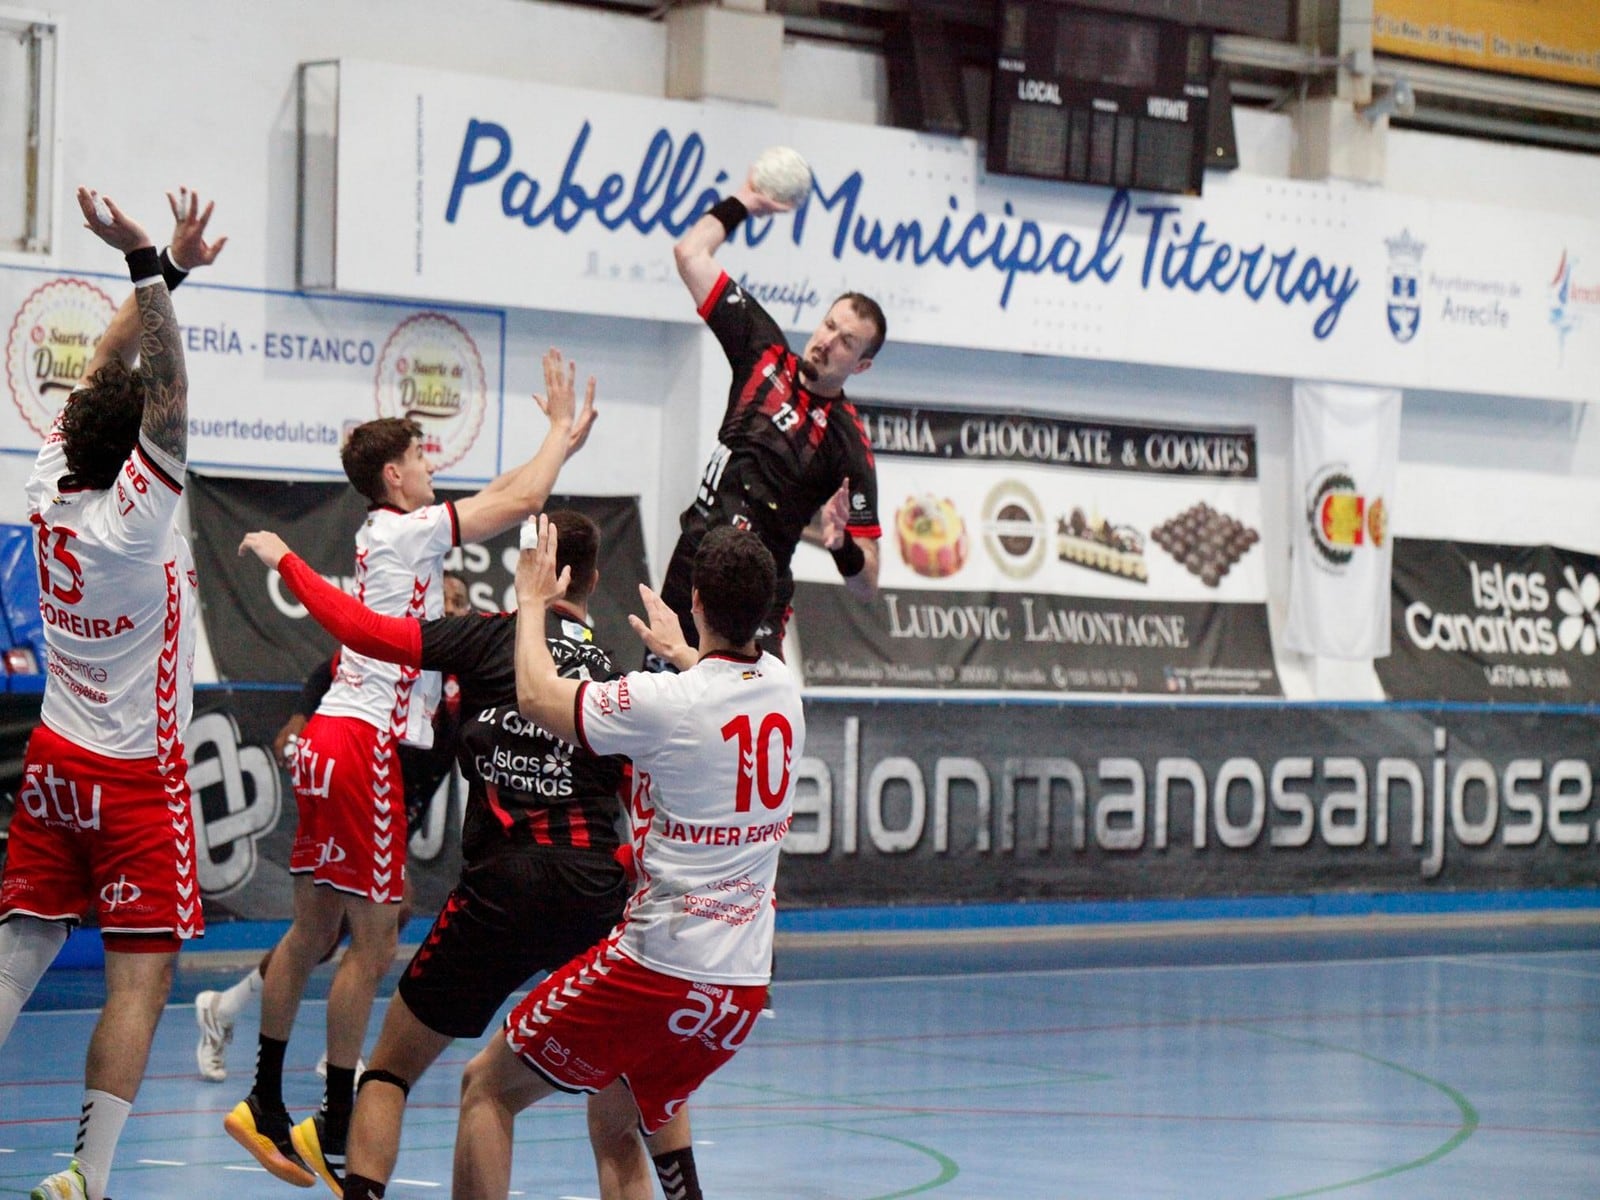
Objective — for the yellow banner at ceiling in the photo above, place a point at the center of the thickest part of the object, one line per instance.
(1548, 39)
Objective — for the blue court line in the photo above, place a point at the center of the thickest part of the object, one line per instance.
(956, 697)
(83, 946)
(937, 917)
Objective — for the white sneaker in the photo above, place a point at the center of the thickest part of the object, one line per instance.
(322, 1066)
(216, 1031)
(63, 1185)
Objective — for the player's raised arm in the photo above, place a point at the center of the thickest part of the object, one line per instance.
(695, 251)
(522, 491)
(188, 250)
(544, 695)
(166, 381)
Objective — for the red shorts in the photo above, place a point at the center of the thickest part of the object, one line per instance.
(114, 834)
(352, 831)
(603, 1017)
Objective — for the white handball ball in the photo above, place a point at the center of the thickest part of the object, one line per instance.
(780, 174)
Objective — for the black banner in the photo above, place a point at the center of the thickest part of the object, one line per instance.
(1041, 439)
(1019, 641)
(907, 803)
(1487, 622)
(258, 632)
(938, 803)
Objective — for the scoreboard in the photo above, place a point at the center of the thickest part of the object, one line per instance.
(1086, 96)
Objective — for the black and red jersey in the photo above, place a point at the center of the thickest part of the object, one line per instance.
(523, 783)
(781, 451)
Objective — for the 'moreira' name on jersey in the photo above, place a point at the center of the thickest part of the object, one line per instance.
(84, 627)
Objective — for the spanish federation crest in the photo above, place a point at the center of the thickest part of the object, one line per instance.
(1405, 285)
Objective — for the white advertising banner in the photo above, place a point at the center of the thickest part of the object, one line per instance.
(493, 191)
(275, 378)
(1346, 454)
(1034, 552)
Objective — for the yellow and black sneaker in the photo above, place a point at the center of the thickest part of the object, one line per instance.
(267, 1136)
(63, 1185)
(310, 1139)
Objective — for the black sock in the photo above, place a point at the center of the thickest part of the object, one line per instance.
(359, 1187)
(269, 1072)
(675, 1170)
(337, 1101)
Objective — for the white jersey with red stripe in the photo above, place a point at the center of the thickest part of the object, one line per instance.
(117, 594)
(399, 573)
(714, 751)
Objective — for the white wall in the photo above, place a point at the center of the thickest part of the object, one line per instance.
(167, 91)
(164, 92)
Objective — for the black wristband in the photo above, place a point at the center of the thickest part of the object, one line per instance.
(171, 272)
(731, 212)
(849, 558)
(143, 264)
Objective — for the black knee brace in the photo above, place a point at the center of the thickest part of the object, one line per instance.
(389, 1077)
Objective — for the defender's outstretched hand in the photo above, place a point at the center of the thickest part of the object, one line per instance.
(583, 422)
(265, 545)
(189, 248)
(663, 635)
(109, 223)
(559, 400)
(537, 580)
(835, 515)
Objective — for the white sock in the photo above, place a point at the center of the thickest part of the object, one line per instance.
(230, 1002)
(98, 1130)
(27, 948)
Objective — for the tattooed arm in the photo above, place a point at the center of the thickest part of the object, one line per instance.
(189, 249)
(166, 406)
(166, 380)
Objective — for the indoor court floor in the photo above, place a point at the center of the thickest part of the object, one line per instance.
(1424, 1061)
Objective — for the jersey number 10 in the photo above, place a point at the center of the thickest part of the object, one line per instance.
(756, 761)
